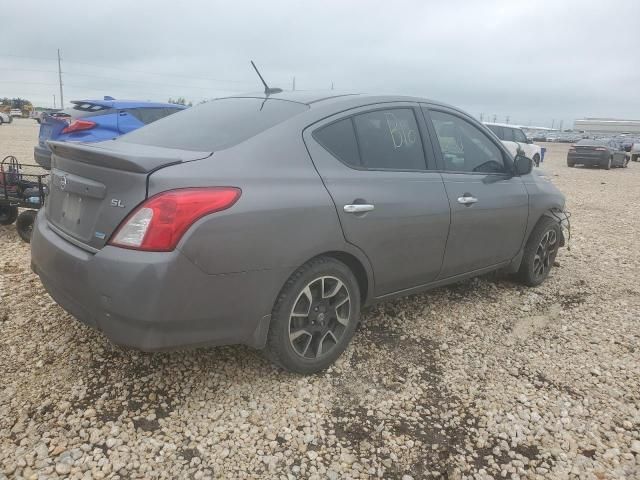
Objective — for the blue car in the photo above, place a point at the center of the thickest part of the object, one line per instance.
(95, 121)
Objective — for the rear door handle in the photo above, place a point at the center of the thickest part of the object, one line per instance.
(467, 199)
(358, 208)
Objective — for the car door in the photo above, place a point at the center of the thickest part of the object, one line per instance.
(521, 140)
(489, 206)
(375, 164)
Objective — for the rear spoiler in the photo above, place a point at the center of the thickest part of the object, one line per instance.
(130, 157)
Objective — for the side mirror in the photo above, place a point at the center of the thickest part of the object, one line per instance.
(522, 165)
(529, 141)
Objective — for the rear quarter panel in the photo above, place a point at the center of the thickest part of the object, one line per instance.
(283, 218)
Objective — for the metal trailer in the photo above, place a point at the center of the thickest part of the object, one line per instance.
(20, 190)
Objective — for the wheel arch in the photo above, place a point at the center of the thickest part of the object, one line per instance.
(549, 212)
(364, 275)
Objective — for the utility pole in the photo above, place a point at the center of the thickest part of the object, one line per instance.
(481, 117)
(495, 117)
(331, 85)
(552, 122)
(54, 101)
(60, 81)
(293, 88)
(507, 120)
(560, 127)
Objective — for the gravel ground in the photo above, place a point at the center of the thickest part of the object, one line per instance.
(485, 379)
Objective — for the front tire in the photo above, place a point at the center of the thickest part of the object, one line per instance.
(24, 224)
(540, 252)
(314, 317)
(536, 160)
(8, 214)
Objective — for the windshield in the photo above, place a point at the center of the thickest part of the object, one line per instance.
(215, 125)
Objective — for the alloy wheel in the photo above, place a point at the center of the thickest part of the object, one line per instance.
(545, 253)
(319, 317)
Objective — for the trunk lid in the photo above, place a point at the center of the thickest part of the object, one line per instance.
(94, 187)
(589, 150)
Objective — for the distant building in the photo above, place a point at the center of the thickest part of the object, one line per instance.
(607, 125)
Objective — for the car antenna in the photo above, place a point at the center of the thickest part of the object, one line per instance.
(267, 91)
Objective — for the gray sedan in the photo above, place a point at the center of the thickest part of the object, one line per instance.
(604, 153)
(271, 220)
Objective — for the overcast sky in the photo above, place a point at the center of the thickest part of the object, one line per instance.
(533, 61)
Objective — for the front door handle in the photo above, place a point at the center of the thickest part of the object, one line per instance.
(358, 208)
(467, 199)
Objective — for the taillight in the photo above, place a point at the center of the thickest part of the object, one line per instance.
(601, 149)
(78, 125)
(158, 223)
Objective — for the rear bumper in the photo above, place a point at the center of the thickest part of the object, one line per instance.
(152, 300)
(42, 156)
(589, 160)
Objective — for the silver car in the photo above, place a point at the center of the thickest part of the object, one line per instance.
(272, 220)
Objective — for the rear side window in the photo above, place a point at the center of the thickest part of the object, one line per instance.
(465, 148)
(508, 135)
(150, 115)
(498, 130)
(216, 125)
(382, 139)
(340, 140)
(390, 139)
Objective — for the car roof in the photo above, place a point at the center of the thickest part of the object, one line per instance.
(502, 125)
(335, 97)
(127, 103)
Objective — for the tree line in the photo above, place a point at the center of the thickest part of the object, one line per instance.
(23, 104)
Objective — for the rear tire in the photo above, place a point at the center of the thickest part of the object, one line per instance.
(24, 224)
(634, 158)
(607, 166)
(8, 214)
(540, 252)
(570, 164)
(314, 317)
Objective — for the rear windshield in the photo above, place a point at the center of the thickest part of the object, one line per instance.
(85, 109)
(591, 142)
(215, 125)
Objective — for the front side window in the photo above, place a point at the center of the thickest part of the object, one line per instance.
(519, 136)
(465, 148)
(390, 139)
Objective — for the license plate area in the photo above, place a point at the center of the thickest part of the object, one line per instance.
(71, 213)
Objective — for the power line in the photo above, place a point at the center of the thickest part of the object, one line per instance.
(133, 70)
(113, 79)
(143, 93)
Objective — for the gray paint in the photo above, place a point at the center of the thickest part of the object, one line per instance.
(291, 210)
